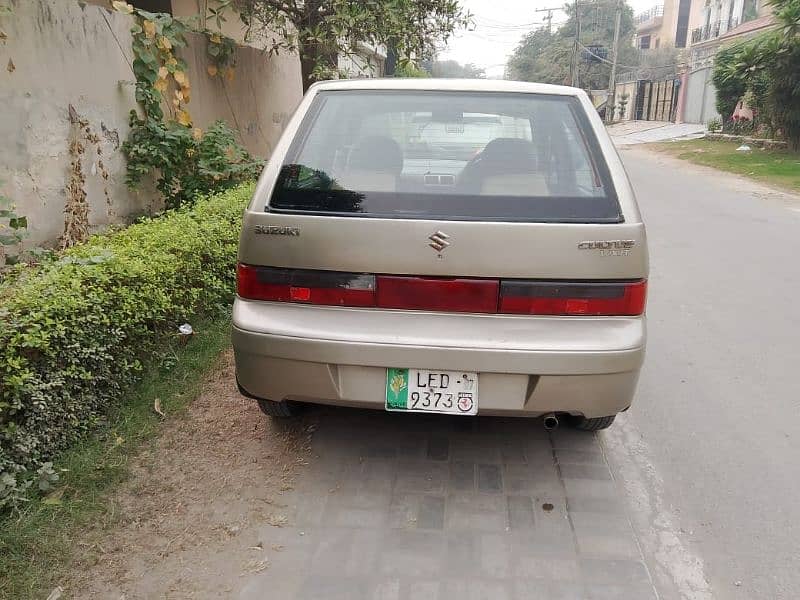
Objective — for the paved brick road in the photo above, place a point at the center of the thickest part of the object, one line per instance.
(397, 507)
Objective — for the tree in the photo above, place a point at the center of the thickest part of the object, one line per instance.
(452, 68)
(766, 70)
(321, 30)
(781, 51)
(545, 57)
(728, 81)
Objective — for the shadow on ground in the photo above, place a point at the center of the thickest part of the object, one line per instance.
(409, 506)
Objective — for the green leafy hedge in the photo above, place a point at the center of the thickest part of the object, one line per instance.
(75, 332)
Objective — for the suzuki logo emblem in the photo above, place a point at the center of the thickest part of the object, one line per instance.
(439, 241)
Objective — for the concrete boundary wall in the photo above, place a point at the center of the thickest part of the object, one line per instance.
(62, 53)
(700, 97)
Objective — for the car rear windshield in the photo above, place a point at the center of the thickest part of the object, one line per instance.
(446, 155)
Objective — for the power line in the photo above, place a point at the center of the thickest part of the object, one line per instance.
(500, 23)
(507, 27)
(600, 58)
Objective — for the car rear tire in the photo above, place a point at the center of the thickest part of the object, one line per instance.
(592, 424)
(282, 410)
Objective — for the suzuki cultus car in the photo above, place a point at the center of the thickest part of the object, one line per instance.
(461, 247)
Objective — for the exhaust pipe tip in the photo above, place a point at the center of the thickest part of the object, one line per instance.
(550, 421)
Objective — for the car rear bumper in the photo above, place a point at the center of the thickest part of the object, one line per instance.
(526, 365)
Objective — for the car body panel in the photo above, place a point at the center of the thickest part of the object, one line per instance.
(477, 249)
(527, 365)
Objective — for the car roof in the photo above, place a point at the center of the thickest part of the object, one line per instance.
(461, 85)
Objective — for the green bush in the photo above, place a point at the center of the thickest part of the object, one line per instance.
(765, 68)
(729, 81)
(75, 332)
(189, 162)
(714, 125)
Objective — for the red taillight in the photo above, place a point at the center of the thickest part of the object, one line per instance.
(430, 293)
(520, 297)
(312, 287)
(560, 298)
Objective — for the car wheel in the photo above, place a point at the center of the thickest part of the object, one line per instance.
(593, 424)
(281, 409)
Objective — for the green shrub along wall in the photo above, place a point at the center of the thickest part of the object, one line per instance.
(74, 333)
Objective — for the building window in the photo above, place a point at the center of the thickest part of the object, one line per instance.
(749, 10)
(644, 42)
(682, 30)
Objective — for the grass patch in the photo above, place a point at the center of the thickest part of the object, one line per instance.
(777, 167)
(38, 543)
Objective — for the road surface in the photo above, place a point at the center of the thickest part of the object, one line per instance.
(718, 407)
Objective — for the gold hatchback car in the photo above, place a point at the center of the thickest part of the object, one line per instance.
(443, 246)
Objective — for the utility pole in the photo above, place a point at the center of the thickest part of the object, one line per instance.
(575, 66)
(612, 83)
(549, 16)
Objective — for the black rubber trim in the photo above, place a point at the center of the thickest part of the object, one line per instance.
(245, 393)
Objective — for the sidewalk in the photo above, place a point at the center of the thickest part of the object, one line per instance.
(642, 132)
(444, 508)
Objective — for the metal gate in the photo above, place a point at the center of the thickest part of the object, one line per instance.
(656, 100)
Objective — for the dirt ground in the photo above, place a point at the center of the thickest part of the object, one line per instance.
(190, 521)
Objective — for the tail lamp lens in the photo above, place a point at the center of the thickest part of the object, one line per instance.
(438, 294)
(516, 297)
(311, 287)
(563, 298)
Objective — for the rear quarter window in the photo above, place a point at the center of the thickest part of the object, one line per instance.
(448, 155)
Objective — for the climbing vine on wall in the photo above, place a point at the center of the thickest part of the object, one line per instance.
(221, 52)
(158, 70)
(160, 74)
(187, 162)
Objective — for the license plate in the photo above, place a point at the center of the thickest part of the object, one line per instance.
(423, 390)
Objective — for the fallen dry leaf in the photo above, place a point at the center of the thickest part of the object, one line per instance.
(56, 593)
(54, 498)
(277, 520)
(157, 407)
(255, 566)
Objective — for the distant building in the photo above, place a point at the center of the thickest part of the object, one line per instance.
(740, 20)
(368, 61)
(663, 25)
(715, 24)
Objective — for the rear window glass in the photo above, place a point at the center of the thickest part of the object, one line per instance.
(450, 155)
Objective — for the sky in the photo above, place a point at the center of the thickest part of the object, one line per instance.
(499, 25)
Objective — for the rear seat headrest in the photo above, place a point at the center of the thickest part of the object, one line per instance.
(378, 154)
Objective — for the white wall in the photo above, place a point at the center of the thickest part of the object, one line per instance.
(701, 97)
(65, 53)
